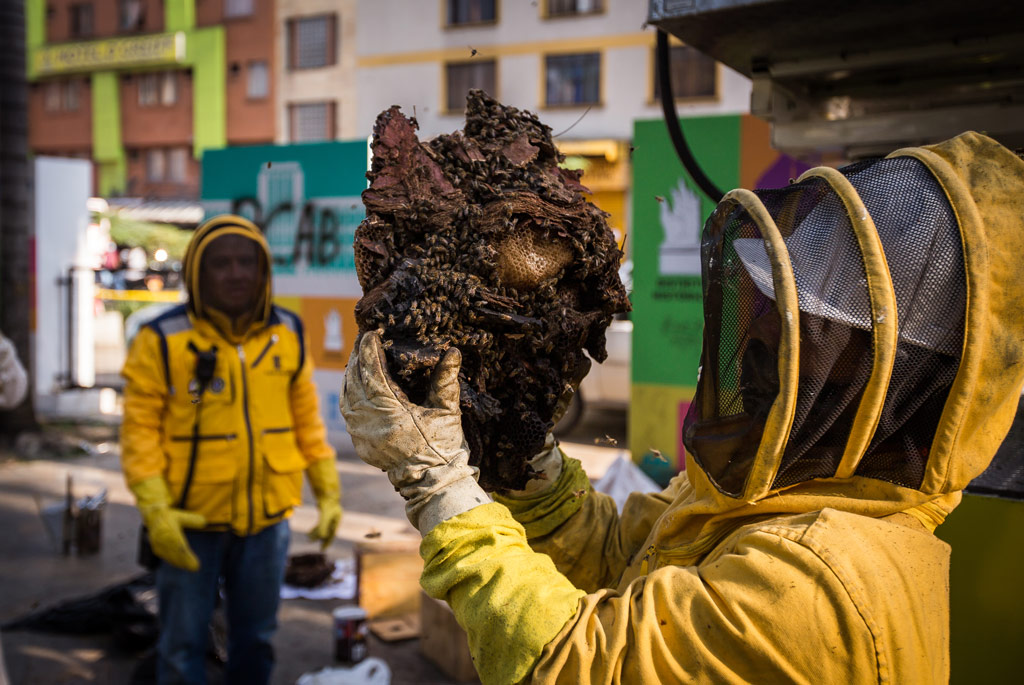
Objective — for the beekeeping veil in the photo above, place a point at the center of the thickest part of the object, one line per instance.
(863, 336)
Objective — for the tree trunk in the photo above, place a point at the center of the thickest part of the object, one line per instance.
(16, 195)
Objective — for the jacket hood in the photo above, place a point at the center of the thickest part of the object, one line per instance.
(864, 341)
(225, 224)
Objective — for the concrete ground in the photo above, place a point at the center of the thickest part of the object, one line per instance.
(34, 574)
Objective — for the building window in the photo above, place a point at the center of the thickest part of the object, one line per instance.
(81, 20)
(694, 74)
(573, 79)
(462, 76)
(312, 121)
(156, 165)
(149, 90)
(462, 12)
(158, 89)
(168, 88)
(311, 42)
(61, 96)
(257, 85)
(237, 8)
(71, 95)
(567, 8)
(132, 15)
(53, 96)
(177, 165)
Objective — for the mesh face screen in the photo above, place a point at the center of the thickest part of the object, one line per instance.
(922, 243)
(739, 378)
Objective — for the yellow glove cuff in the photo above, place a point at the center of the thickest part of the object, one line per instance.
(151, 493)
(323, 478)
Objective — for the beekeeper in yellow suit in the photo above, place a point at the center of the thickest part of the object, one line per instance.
(863, 357)
(221, 420)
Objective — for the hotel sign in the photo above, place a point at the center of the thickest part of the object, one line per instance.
(115, 53)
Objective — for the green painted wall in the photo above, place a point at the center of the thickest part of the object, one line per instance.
(107, 149)
(329, 169)
(986, 582)
(206, 53)
(667, 308)
(179, 15)
(35, 23)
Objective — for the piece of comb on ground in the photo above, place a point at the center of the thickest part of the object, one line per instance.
(479, 240)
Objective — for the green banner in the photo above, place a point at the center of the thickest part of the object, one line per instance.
(668, 214)
(306, 198)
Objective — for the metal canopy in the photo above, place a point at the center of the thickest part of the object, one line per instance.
(866, 76)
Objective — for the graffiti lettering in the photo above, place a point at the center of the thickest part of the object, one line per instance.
(318, 237)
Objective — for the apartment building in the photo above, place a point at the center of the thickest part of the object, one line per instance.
(143, 87)
(585, 66)
(316, 41)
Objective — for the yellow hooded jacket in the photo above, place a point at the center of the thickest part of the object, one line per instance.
(831, 579)
(258, 420)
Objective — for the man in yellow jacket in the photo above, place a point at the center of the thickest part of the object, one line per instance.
(221, 419)
(863, 359)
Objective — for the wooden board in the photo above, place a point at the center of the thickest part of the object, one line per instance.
(443, 642)
(388, 577)
(395, 629)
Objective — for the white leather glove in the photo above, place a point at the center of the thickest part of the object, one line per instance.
(13, 379)
(422, 448)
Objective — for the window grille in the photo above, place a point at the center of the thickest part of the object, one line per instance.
(312, 121)
(312, 42)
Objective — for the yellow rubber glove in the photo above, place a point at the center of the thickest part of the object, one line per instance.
(166, 525)
(323, 478)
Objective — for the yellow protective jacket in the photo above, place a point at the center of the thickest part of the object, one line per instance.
(831, 579)
(259, 423)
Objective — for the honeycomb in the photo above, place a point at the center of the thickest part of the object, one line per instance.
(479, 240)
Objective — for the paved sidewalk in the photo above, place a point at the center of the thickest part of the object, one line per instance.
(34, 574)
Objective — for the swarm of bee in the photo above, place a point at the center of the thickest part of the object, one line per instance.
(479, 240)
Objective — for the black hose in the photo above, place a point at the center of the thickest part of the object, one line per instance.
(675, 132)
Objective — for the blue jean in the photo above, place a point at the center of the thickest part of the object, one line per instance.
(252, 569)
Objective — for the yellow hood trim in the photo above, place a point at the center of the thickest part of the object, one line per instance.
(225, 224)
